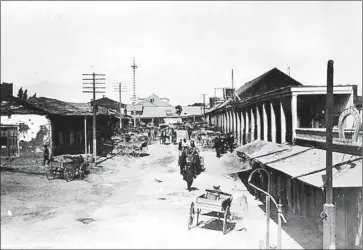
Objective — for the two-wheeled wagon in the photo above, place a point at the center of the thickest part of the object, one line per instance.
(214, 201)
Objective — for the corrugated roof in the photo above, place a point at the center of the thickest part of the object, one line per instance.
(260, 148)
(298, 161)
(349, 175)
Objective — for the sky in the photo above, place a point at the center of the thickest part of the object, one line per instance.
(182, 49)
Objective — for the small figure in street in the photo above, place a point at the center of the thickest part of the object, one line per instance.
(190, 130)
(149, 134)
(143, 146)
(217, 146)
(180, 147)
(46, 155)
(155, 134)
(174, 135)
(231, 142)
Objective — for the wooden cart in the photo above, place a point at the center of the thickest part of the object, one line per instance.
(212, 200)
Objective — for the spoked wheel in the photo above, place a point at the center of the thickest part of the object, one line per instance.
(68, 173)
(50, 174)
(227, 215)
(191, 216)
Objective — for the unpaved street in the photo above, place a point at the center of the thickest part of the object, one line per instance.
(128, 203)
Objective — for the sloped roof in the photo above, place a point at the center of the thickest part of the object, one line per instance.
(16, 106)
(272, 79)
(219, 106)
(304, 163)
(348, 175)
(157, 102)
(57, 107)
(109, 103)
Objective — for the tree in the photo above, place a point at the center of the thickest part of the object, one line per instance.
(25, 95)
(20, 93)
(178, 109)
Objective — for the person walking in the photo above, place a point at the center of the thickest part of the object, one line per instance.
(217, 146)
(46, 155)
(231, 142)
(190, 130)
(180, 146)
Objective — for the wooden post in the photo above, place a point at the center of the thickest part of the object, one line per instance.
(268, 212)
(329, 208)
(85, 134)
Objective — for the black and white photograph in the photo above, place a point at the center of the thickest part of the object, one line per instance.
(181, 125)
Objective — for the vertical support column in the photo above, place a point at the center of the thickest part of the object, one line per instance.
(273, 124)
(238, 132)
(85, 134)
(229, 121)
(253, 127)
(283, 123)
(242, 127)
(265, 122)
(294, 115)
(232, 121)
(258, 124)
(224, 122)
(248, 134)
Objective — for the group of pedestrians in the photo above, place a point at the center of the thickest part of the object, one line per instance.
(168, 134)
(189, 161)
(224, 142)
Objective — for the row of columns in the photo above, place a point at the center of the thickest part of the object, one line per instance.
(258, 122)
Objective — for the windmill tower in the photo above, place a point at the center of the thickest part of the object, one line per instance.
(134, 67)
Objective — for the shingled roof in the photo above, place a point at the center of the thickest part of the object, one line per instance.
(272, 79)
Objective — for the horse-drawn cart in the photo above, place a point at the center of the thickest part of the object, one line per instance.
(69, 166)
(214, 201)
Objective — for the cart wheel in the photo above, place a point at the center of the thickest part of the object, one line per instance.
(50, 175)
(225, 221)
(68, 173)
(191, 216)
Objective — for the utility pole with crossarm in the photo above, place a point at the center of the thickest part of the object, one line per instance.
(95, 89)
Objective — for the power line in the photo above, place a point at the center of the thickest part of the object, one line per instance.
(99, 90)
(121, 88)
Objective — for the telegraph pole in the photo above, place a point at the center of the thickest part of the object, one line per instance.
(99, 90)
(120, 88)
(204, 104)
(134, 67)
(329, 208)
(232, 87)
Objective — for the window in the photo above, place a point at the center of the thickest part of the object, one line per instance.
(151, 100)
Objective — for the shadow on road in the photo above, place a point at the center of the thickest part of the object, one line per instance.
(217, 225)
(15, 170)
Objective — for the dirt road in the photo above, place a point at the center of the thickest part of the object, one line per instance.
(128, 203)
